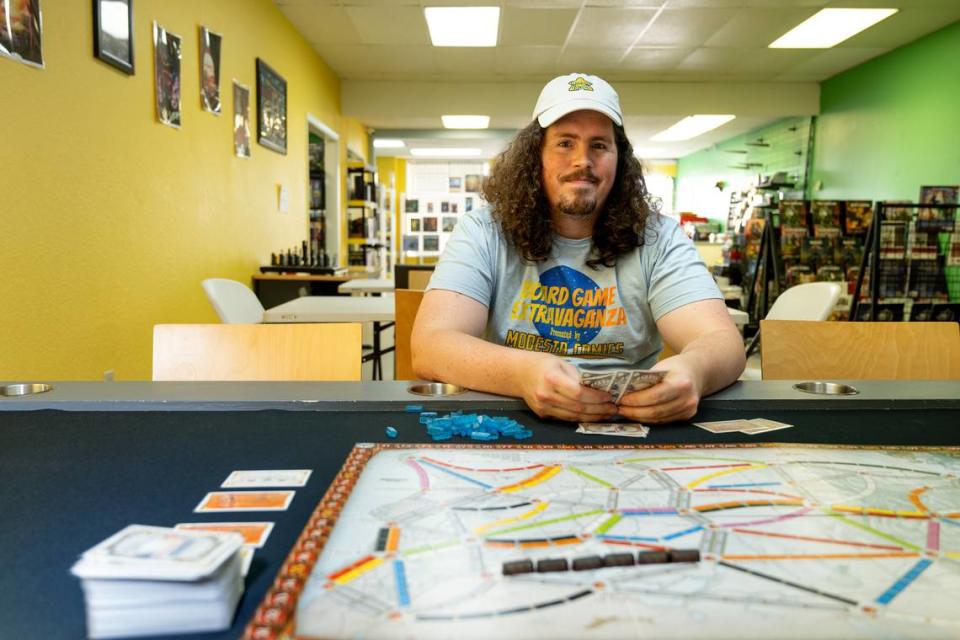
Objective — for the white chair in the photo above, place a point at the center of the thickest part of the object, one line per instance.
(234, 302)
(811, 301)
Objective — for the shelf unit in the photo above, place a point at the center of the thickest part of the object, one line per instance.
(366, 246)
(317, 211)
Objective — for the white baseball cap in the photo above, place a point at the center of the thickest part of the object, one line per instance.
(574, 92)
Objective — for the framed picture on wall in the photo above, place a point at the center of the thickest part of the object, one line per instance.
(414, 225)
(113, 33)
(411, 243)
(210, 70)
(241, 120)
(271, 108)
(166, 53)
(21, 31)
(431, 243)
(430, 223)
(449, 222)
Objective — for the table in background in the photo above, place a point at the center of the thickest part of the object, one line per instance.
(379, 310)
(367, 286)
(740, 318)
(83, 461)
(276, 288)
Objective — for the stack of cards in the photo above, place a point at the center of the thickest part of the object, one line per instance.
(752, 426)
(626, 429)
(158, 581)
(619, 382)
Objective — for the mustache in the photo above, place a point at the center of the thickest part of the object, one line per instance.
(585, 174)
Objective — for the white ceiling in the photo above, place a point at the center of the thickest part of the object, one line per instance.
(667, 58)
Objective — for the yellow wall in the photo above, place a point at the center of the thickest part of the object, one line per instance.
(392, 174)
(110, 220)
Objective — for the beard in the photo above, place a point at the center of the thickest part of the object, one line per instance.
(579, 205)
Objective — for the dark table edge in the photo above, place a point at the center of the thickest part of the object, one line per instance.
(393, 396)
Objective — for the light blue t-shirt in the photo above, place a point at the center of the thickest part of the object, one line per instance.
(596, 319)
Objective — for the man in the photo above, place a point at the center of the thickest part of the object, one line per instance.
(570, 267)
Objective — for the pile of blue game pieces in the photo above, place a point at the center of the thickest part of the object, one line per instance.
(473, 426)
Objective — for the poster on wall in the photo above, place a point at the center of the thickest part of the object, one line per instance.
(471, 183)
(166, 60)
(271, 108)
(113, 33)
(241, 120)
(21, 31)
(210, 70)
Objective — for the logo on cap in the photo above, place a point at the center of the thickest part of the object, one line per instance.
(580, 84)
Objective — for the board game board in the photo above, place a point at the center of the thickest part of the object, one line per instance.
(795, 542)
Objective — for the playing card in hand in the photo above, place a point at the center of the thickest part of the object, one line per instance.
(619, 382)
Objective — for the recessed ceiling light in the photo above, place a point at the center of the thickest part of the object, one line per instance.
(691, 127)
(829, 27)
(387, 143)
(466, 122)
(463, 26)
(452, 152)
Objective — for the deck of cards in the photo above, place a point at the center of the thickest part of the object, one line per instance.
(619, 382)
(158, 581)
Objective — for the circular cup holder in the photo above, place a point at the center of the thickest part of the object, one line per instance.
(435, 389)
(24, 389)
(826, 388)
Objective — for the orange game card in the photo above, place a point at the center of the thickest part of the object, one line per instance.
(254, 533)
(245, 501)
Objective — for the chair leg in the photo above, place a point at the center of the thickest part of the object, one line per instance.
(753, 344)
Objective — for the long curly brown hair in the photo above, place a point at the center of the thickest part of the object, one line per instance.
(518, 202)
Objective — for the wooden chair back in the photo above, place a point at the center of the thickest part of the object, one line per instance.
(407, 301)
(419, 280)
(412, 276)
(794, 350)
(329, 351)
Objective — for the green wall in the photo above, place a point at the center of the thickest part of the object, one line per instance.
(698, 173)
(891, 124)
(885, 128)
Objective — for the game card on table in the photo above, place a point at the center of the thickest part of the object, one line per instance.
(219, 501)
(262, 478)
(254, 534)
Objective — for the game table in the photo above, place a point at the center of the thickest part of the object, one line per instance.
(85, 459)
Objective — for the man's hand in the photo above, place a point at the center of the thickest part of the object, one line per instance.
(551, 387)
(674, 398)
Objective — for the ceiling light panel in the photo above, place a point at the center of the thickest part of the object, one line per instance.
(463, 26)
(452, 152)
(465, 122)
(387, 143)
(691, 127)
(830, 27)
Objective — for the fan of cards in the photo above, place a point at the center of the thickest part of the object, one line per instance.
(157, 581)
(619, 382)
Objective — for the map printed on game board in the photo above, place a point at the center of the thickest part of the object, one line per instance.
(794, 542)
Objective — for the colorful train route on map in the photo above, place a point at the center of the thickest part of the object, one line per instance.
(533, 541)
